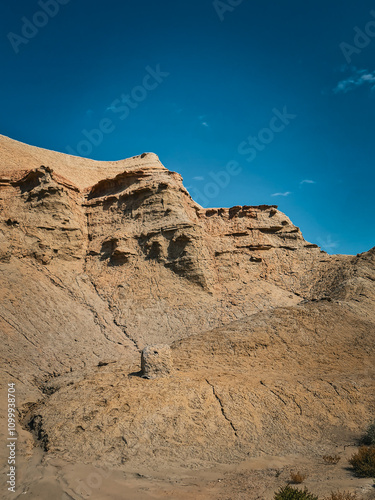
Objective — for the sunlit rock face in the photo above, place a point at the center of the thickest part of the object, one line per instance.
(265, 341)
(150, 251)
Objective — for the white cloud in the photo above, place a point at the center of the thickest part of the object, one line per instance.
(198, 178)
(202, 119)
(327, 243)
(359, 77)
(287, 193)
(307, 181)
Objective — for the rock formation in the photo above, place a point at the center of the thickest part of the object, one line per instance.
(156, 361)
(272, 340)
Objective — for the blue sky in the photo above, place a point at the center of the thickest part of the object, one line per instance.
(268, 102)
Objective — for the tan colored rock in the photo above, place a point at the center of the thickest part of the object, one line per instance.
(272, 340)
(131, 225)
(156, 361)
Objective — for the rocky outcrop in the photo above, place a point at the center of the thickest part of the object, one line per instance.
(156, 361)
(149, 250)
(272, 340)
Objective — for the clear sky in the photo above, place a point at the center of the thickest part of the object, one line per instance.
(253, 102)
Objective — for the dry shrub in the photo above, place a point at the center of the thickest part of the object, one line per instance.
(369, 437)
(342, 496)
(297, 477)
(363, 462)
(331, 459)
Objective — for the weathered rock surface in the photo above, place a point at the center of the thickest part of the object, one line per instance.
(271, 339)
(156, 361)
(148, 249)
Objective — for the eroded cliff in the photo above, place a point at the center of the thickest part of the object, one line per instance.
(272, 339)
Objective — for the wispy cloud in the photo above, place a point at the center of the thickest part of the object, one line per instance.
(198, 178)
(287, 193)
(358, 78)
(327, 243)
(203, 121)
(307, 181)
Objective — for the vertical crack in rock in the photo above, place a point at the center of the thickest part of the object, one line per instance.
(123, 329)
(222, 408)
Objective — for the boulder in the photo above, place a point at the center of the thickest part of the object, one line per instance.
(156, 361)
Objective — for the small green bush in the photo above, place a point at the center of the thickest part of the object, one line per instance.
(289, 493)
(369, 437)
(363, 462)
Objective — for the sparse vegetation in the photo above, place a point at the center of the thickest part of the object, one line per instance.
(342, 496)
(363, 462)
(289, 493)
(331, 459)
(297, 477)
(369, 438)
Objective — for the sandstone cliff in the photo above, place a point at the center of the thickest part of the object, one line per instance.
(272, 339)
